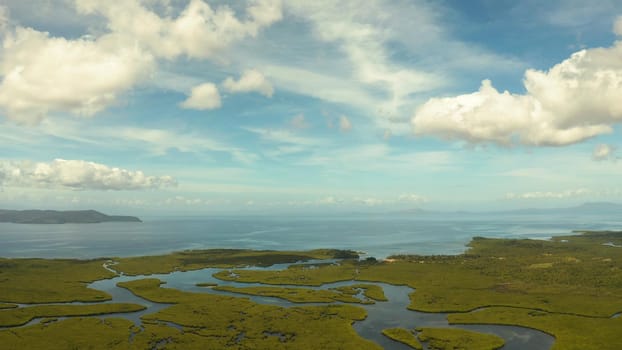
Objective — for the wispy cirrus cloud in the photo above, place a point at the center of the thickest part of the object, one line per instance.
(362, 35)
(381, 59)
(151, 141)
(580, 192)
(403, 199)
(299, 122)
(283, 136)
(587, 193)
(160, 141)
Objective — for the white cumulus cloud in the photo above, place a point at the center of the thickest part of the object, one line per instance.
(202, 97)
(40, 73)
(199, 31)
(345, 124)
(77, 175)
(603, 152)
(576, 99)
(250, 81)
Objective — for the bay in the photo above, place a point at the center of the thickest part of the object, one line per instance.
(376, 235)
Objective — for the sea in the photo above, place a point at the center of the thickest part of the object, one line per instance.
(372, 235)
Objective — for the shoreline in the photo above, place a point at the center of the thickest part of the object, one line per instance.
(469, 293)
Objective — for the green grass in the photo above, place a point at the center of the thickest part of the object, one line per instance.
(458, 339)
(23, 315)
(217, 321)
(571, 332)
(46, 320)
(584, 276)
(219, 258)
(294, 275)
(568, 287)
(403, 336)
(444, 339)
(370, 291)
(74, 333)
(573, 275)
(297, 295)
(48, 281)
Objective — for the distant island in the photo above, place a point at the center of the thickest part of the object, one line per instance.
(587, 208)
(61, 217)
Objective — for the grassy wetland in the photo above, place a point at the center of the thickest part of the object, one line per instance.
(23, 315)
(48, 281)
(220, 258)
(223, 321)
(569, 287)
(403, 336)
(451, 338)
(444, 338)
(344, 294)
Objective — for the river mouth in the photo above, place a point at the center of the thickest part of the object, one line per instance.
(380, 315)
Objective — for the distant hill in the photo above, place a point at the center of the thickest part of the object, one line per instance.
(60, 217)
(589, 208)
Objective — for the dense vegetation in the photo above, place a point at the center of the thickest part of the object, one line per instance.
(60, 217)
(73, 333)
(452, 338)
(217, 322)
(221, 258)
(569, 279)
(304, 295)
(403, 336)
(572, 332)
(444, 338)
(569, 287)
(48, 281)
(23, 315)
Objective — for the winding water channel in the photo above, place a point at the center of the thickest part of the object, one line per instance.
(381, 315)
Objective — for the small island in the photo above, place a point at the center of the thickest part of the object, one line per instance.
(61, 217)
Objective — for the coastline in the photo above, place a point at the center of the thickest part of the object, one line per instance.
(473, 290)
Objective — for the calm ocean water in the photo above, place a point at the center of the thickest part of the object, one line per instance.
(379, 236)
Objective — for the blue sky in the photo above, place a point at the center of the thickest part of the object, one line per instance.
(198, 107)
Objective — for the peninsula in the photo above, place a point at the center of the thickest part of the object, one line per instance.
(60, 217)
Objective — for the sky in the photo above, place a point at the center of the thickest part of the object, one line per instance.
(268, 106)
